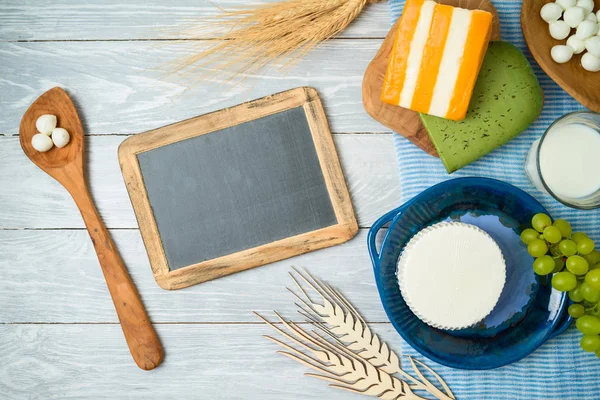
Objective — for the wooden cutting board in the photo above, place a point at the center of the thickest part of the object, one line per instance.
(401, 120)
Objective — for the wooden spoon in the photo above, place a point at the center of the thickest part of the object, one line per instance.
(583, 85)
(402, 120)
(66, 166)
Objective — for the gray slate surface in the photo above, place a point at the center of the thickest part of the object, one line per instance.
(237, 188)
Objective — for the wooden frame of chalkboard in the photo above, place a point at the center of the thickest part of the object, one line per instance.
(305, 97)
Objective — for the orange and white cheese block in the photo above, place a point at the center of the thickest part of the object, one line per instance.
(436, 58)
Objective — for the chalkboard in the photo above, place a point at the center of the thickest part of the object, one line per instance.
(237, 188)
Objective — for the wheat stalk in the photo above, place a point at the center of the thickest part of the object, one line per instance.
(249, 39)
(354, 358)
(338, 318)
(337, 365)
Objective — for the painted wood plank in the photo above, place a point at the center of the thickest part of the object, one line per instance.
(154, 19)
(129, 87)
(54, 276)
(201, 362)
(32, 199)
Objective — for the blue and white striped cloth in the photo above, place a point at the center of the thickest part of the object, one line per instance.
(559, 369)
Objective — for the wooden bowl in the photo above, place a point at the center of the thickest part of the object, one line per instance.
(402, 120)
(583, 85)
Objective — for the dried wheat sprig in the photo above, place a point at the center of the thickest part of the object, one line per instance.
(250, 39)
(345, 352)
(340, 320)
(340, 367)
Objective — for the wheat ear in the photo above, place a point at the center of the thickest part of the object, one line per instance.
(337, 365)
(251, 38)
(340, 320)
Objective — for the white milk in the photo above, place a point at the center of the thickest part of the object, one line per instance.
(570, 161)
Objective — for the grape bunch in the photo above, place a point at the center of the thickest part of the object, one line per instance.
(575, 266)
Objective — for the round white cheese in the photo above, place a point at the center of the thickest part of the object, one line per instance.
(559, 30)
(586, 29)
(45, 123)
(60, 137)
(551, 12)
(561, 54)
(41, 142)
(577, 45)
(566, 3)
(587, 5)
(591, 17)
(574, 16)
(590, 62)
(593, 45)
(451, 275)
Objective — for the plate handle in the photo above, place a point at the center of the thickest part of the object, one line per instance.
(375, 228)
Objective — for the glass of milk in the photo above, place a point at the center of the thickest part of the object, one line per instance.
(565, 161)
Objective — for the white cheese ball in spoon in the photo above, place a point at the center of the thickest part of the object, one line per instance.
(41, 142)
(60, 137)
(45, 123)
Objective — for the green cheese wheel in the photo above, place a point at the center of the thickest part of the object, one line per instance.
(506, 99)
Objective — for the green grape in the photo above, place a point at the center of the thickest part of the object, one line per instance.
(589, 293)
(529, 235)
(577, 236)
(543, 265)
(576, 310)
(592, 278)
(559, 264)
(588, 325)
(590, 343)
(537, 248)
(585, 246)
(564, 227)
(593, 257)
(575, 294)
(564, 281)
(568, 247)
(552, 234)
(597, 353)
(577, 265)
(540, 221)
(595, 266)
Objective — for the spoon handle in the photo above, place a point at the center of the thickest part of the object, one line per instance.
(140, 335)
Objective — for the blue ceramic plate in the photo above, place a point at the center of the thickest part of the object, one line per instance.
(529, 311)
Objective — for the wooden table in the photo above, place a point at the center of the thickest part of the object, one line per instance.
(59, 336)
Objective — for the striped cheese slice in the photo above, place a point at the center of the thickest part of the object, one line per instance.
(436, 58)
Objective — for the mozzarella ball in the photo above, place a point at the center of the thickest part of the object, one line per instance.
(60, 137)
(586, 29)
(573, 16)
(590, 62)
(45, 123)
(561, 54)
(598, 15)
(551, 12)
(576, 44)
(591, 17)
(587, 5)
(566, 3)
(41, 142)
(593, 45)
(559, 30)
